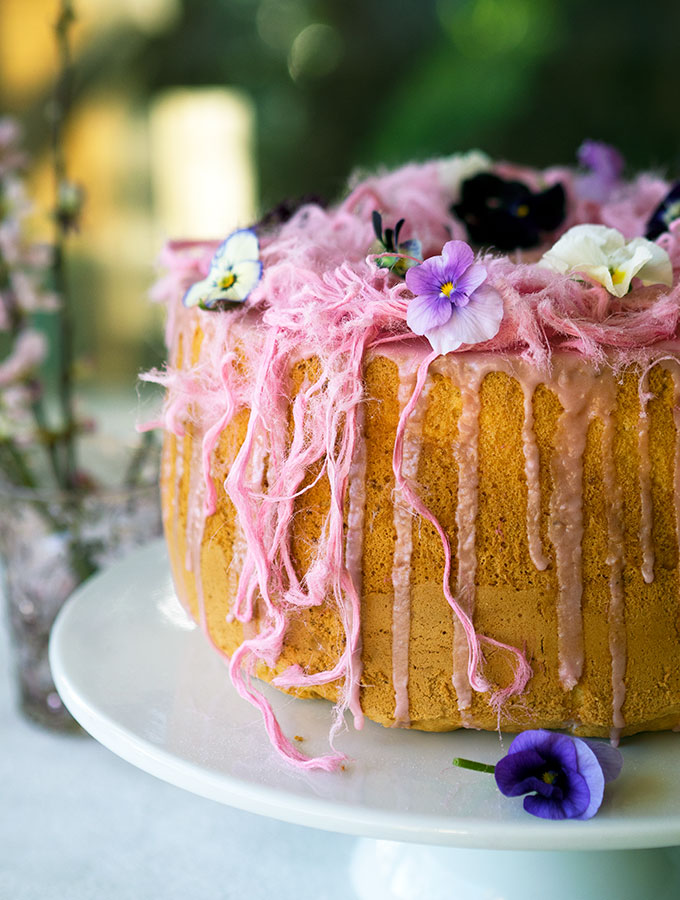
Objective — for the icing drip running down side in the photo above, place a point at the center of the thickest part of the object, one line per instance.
(566, 519)
(401, 564)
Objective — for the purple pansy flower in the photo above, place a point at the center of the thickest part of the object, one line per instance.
(563, 777)
(605, 165)
(452, 305)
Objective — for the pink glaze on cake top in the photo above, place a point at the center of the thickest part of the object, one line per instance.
(321, 295)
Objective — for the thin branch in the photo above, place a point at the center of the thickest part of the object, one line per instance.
(63, 223)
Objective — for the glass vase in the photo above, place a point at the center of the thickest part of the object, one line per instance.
(50, 542)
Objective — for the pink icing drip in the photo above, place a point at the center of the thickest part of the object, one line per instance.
(467, 455)
(615, 556)
(645, 470)
(531, 470)
(676, 480)
(354, 543)
(566, 519)
(477, 681)
(401, 564)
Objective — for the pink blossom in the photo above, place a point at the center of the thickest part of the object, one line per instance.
(11, 158)
(30, 349)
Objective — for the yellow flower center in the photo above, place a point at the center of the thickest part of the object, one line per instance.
(550, 777)
(447, 288)
(522, 210)
(226, 281)
(618, 275)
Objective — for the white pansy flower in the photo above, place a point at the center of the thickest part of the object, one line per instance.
(235, 269)
(454, 170)
(603, 254)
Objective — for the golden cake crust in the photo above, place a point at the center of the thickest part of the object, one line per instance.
(514, 602)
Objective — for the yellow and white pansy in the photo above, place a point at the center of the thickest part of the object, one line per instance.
(602, 254)
(235, 269)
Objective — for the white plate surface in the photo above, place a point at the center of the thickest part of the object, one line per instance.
(144, 681)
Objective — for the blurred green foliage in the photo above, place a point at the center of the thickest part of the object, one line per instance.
(522, 79)
(361, 82)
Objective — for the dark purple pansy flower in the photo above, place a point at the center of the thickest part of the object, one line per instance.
(507, 214)
(563, 777)
(285, 210)
(665, 214)
(452, 305)
(604, 164)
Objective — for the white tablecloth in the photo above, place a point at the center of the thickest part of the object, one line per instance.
(78, 823)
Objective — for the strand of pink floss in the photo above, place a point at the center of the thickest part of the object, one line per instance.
(522, 670)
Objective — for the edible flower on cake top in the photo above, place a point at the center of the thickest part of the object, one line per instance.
(667, 212)
(235, 269)
(452, 304)
(603, 255)
(394, 255)
(507, 214)
(604, 165)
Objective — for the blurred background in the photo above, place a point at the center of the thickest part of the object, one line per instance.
(194, 116)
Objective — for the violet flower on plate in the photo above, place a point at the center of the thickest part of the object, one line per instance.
(452, 304)
(562, 777)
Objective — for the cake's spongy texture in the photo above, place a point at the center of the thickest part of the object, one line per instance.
(515, 602)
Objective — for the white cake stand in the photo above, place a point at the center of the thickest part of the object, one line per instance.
(141, 678)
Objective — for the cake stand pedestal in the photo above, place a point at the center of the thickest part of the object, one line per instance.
(141, 678)
(386, 870)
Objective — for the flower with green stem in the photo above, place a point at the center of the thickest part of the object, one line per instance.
(392, 254)
(561, 777)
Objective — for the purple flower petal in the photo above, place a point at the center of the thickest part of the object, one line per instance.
(573, 805)
(421, 280)
(605, 164)
(427, 311)
(562, 775)
(589, 767)
(478, 321)
(473, 278)
(602, 159)
(546, 742)
(609, 758)
(514, 771)
(458, 256)
(572, 754)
